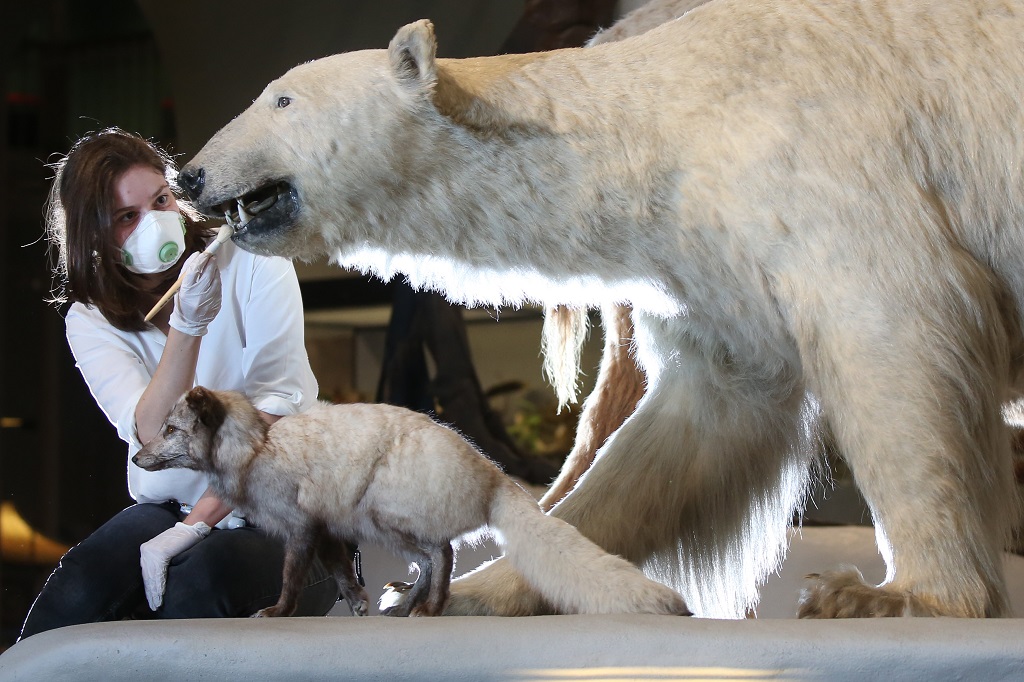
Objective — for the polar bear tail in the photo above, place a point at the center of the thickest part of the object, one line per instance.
(571, 573)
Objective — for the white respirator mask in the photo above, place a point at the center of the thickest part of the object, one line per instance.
(156, 243)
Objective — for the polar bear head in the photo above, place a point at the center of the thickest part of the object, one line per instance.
(321, 148)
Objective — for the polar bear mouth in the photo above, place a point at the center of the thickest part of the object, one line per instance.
(269, 207)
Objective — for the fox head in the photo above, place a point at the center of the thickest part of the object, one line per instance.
(186, 438)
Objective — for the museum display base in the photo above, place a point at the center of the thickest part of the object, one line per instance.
(536, 648)
(773, 646)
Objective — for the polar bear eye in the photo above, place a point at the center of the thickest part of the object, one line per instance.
(282, 102)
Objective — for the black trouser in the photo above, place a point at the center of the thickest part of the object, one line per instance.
(231, 573)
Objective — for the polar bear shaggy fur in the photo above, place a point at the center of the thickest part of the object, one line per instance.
(814, 210)
(620, 383)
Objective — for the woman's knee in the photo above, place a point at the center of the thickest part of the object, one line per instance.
(235, 575)
(222, 575)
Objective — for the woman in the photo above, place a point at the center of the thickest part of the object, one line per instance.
(236, 324)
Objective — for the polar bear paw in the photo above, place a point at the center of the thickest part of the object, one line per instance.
(843, 593)
(654, 598)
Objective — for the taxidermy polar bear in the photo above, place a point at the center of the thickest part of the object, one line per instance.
(814, 210)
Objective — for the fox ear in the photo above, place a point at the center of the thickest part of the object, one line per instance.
(207, 406)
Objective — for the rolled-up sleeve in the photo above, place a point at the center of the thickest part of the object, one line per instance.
(278, 378)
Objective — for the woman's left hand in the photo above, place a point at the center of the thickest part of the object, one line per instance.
(157, 553)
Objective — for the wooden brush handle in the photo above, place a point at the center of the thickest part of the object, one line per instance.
(223, 235)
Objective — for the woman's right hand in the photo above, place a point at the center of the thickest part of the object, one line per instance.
(198, 300)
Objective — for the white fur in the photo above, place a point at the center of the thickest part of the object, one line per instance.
(564, 327)
(808, 206)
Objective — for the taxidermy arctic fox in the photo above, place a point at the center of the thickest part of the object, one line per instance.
(343, 474)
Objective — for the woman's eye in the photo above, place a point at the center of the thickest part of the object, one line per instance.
(128, 217)
(162, 200)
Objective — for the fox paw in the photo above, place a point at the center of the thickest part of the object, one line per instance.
(360, 607)
(843, 593)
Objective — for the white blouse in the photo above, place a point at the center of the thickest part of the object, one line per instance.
(255, 345)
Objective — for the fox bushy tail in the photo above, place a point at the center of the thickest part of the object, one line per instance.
(570, 572)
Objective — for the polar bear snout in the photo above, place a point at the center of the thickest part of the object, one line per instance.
(192, 180)
(271, 206)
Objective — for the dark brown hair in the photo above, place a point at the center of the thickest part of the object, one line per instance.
(79, 225)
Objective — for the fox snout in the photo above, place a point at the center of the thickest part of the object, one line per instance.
(154, 460)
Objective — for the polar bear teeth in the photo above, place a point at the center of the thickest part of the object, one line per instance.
(241, 213)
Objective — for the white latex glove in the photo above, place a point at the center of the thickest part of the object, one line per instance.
(198, 300)
(159, 551)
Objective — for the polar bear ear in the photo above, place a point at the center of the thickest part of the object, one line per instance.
(412, 53)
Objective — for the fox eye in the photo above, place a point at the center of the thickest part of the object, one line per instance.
(169, 430)
(282, 102)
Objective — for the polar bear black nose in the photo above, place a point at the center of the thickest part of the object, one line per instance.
(192, 181)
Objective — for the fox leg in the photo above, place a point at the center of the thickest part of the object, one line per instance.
(441, 561)
(428, 596)
(298, 556)
(337, 556)
(402, 597)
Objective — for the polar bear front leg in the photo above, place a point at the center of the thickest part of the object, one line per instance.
(912, 385)
(677, 488)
